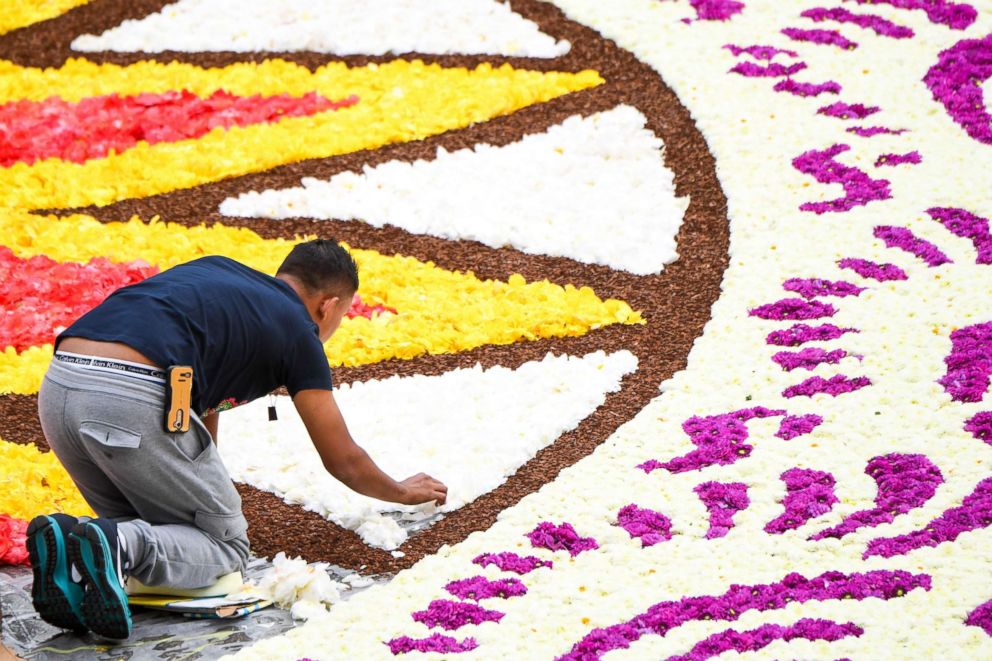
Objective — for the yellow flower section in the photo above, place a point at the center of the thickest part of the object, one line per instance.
(33, 482)
(399, 101)
(440, 311)
(21, 13)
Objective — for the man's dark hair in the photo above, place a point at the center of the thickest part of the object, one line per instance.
(322, 265)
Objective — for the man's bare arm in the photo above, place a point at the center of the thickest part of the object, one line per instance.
(211, 422)
(349, 463)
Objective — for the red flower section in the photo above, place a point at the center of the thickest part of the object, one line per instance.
(13, 541)
(361, 309)
(91, 128)
(40, 296)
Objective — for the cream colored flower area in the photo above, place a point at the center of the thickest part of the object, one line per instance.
(905, 327)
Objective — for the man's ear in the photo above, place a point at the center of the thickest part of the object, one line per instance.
(327, 305)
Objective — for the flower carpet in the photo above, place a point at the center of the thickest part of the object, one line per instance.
(687, 300)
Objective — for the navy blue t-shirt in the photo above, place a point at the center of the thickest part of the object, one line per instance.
(243, 332)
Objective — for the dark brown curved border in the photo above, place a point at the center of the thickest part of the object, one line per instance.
(676, 303)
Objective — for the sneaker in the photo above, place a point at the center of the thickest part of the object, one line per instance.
(56, 596)
(99, 553)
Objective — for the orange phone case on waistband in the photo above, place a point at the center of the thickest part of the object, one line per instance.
(178, 396)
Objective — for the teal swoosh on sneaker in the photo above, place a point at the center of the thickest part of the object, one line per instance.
(105, 609)
(55, 596)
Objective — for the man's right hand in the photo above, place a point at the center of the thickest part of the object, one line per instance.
(422, 488)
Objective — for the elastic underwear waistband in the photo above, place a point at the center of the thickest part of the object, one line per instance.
(105, 364)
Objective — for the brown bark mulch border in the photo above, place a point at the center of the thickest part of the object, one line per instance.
(676, 303)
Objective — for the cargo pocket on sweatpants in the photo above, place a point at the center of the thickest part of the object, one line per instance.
(224, 527)
(109, 435)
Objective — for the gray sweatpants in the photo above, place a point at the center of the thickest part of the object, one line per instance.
(171, 495)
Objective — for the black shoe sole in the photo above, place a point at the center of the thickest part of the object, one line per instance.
(105, 609)
(52, 591)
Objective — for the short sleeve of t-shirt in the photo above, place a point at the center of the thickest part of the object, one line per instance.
(306, 365)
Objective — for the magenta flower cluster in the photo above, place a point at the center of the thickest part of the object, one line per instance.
(478, 588)
(453, 615)
(969, 364)
(719, 439)
(759, 52)
(433, 643)
(813, 287)
(803, 333)
(808, 359)
(668, 615)
(649, 526)
(968, 226)
(880, 26)
(808, 494)
(954, 15)
(904, 239)
(825, 37)
(867, 269)
(974, 513)
(771, 70)
(980, 426)
(765, 635)
(794, 426)
(956, 82)
(981, 617)
(847, 111)
(722, 500)
(793, 308)
(512, 562)
(892, 160)
(872, 131)
(835, 385)
(859, 188)
(716, 10)
(560, 538)
(905, 482)
(807, 89)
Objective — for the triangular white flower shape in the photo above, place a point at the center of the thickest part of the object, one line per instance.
(339, 27)
(595, 189)
(470, 428)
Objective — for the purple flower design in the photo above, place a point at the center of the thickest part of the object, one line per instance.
(956, 82)
(759, 52)
(968, 226)
(904, 239)
(808, 359)
(794, 426)
(809, 494)
(793, 308)
(807, 89)
(956, 16)
(892, 160)
(511, 562)
(872, 131)
(453, 615)
(560, 538)
(881, 26)
(478, 588)
(772, 70)
(668, 615)
(835, 385)
(866, 269)
(433, 643)
(803, 333)
(722, 501)
(859, 188)
(981, 617)
(765, 635)
(969, 364)
(843, 110)
(719, 439)
(715, 10)
(647, 525)
(813, 287)
(825, 37)
(974, 513)
(980, 426)
(905, 482)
